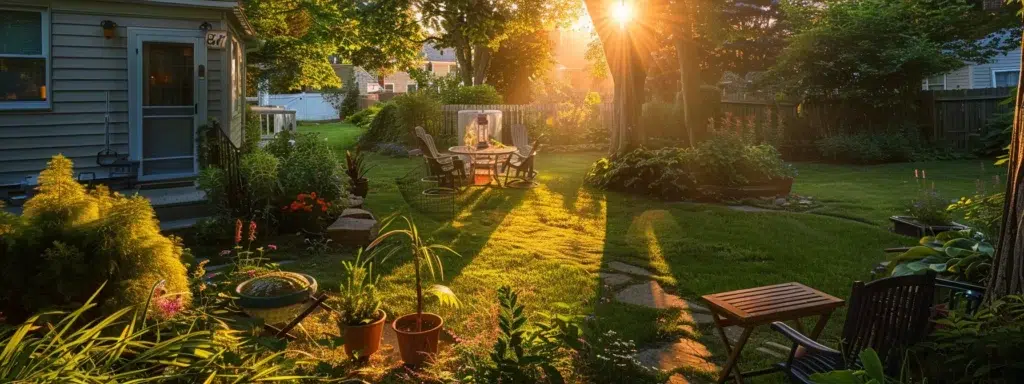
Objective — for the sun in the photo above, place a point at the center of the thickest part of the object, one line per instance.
(622, 13)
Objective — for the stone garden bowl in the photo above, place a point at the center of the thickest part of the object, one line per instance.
(259, 299)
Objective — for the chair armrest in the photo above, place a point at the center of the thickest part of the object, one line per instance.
(802, 340)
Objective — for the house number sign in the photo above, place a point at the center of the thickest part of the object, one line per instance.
(216, 39)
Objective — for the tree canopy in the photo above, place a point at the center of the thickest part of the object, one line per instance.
(878, 51)
(297, 37)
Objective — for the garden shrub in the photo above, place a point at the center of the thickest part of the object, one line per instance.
(260, 173)
(252, 135)
(983, 213)
(868, 148)
(311, 167)
(350, 104)
(363, 118)
(472, 95)
(417, 110)
(674, 173)
(282, 144)
(983, 347)
(385, 128)
(660, 119)
(83, 240)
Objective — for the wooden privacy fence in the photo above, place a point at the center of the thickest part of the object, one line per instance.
(952, 118)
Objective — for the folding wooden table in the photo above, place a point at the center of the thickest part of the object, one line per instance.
(749, 308)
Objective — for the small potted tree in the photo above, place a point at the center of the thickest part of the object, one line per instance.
(418, 332)
(362, 320)
(356, 169)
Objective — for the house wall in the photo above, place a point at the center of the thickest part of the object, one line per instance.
(84, 65)
(982, 74)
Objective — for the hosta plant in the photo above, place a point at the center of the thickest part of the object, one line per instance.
(955, 255)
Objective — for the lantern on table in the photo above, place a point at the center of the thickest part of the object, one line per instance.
(482, 133)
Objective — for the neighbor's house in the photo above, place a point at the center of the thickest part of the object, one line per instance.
(440, 62)
(166, 66)
(1002, 71)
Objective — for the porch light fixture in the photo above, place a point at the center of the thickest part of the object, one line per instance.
(109, 29)
(205, 26)
(482, 132)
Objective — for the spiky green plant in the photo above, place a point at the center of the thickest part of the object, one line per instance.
(357, 299)
(423, 254)
(123, 348)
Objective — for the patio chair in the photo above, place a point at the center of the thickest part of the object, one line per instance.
(521, 140)
(887, 315)
(448, 170)
(522, 165)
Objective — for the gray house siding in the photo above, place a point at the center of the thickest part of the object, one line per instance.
(83, 65)
(982, 74)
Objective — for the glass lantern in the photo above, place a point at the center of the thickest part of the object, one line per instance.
(482, 133)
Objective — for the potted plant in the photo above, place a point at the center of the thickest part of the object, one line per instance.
(275, 297)
(418, 332)
(927, 215)
(362, 320)
(356, 169)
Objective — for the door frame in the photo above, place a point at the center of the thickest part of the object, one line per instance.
(136, 36)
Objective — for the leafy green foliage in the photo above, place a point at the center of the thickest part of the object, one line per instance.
(577, 120)
(929, 208)
(350, 104)
(676, 173)
(385, 128)
(260, 171)
(982, 212)
(363, 118)
(81, 240)
(521, 59)
(417, 109)
(423, 254)
(867, 148)
(984, 347)
(826, 59)
(251, 135)
(65, 346)
(357, 298)
(958, 255)
(311, 166)
(871, 374)
(519, 355)
(472, 95)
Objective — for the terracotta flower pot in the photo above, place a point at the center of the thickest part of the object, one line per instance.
(363, 340)
(417, 346)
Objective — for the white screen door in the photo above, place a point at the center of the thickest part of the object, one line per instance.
(166, 101)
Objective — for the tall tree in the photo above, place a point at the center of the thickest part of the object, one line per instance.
(1007, 274)
(517, 63)
(476, 29)
(298, 37)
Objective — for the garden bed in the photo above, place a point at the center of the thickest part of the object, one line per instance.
(907, 226)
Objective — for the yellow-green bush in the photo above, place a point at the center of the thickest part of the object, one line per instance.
(69, 241)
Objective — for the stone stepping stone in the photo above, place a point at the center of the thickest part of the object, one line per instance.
(614, 279)
(650, 294)
(682, 353)
(630, 269)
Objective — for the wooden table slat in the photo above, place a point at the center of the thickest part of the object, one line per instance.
(746, 302)
(724, 295)
(782, 306)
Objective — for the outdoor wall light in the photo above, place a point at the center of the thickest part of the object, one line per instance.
(205, 26)
(109, 29)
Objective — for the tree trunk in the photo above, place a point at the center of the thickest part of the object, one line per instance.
(1007, 275)
(481, 62)
(464, 55)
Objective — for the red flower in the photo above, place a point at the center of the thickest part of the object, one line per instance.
(313, 195)
(272, 247)
(301, 196)
(323, 208)
(308, 208)
(252, 230)
(238, 231)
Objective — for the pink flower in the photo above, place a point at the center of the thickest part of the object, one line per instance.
(238, 231)
(251, 273)
(168, 307)
(252, 230)
(211, 275)
(225, 252)
(272, 247)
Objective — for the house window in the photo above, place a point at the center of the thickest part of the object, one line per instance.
(937, 83)
(429, 67)
(411, 87)
(1005, 78)
(24, 59)
(389, 87)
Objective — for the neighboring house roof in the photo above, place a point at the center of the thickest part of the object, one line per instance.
(435, 54)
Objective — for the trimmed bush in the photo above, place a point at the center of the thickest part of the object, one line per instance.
(867, 149)
(363, 118)
(476, 94)
(385, 128)
(311, 167)
(68, 242)
(417, 110)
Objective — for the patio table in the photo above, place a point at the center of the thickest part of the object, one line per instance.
(487, 159)
(749, 308)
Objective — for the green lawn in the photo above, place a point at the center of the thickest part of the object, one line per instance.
(551, 241)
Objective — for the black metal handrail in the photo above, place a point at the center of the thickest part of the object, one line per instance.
(221, 152)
